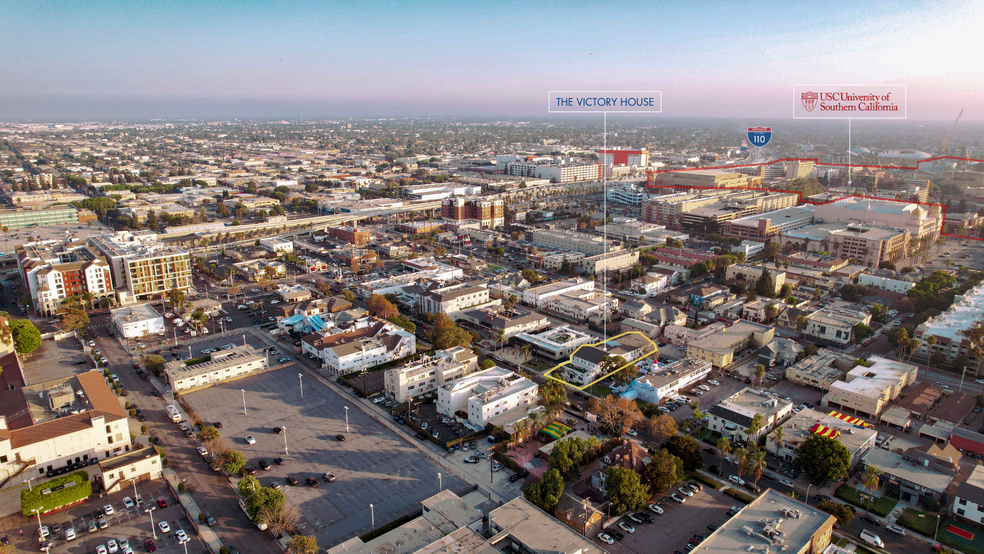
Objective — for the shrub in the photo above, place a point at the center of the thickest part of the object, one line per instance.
(224, 550)
(201, 518)
(143, 429)
(181, 487)
(73, 488)
(739, 495)
(133, 413)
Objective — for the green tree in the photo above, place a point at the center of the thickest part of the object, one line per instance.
(759, 372)
(74, 319)
(264, 499)
(566, 457)
(176, 296)
(154, 363)
(824, 458)
(233, 461)
(664, 471)
(302, 544)
(622, 371)
(208, 434)
(625, 489)
(26, 336)
(724, 446)
(486, 364)
(862, 332)
(757, 466)
(765, 286)
(248, 485)
(546, 493)
(349, 295)
(687, 449)
(553, 395)
(842, 512)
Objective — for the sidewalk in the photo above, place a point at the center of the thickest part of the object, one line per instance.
(191, 510)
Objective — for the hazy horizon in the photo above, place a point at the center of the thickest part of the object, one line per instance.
(259, 60)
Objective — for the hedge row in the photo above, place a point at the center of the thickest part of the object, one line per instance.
(75, 487)
(747, 499)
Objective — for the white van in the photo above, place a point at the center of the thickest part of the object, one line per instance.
(871, 538)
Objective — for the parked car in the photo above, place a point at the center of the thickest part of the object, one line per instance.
(164, 527)
(626, 527)
(679, 499)
(605, 538)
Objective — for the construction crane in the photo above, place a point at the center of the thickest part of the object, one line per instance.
(943, 152)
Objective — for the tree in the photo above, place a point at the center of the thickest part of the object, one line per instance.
(222, 211)
(281, 519)
(777, 437)
(248, 485)
(152, 221)
(772, 311)
(566, 457)
(379, 306)
(663, 427)
(447, 334)
(755, 426)
(546, 493)
(625, 490)
(26, 336)
(870, 480)
(553, 394)
(759, 372)
(785, 290)
(621, 370)
(349, 295)
(765, 286)
(664, 471)
(862, 332)
(687, 449)
(842, 512)
(618, 414)
(154, 363)
(486, 364)
(724, 446)
(758, 465)
(208, 436)
(440, 251)
(233, 460)
(74, 319)
(302, 544)
(741, 457)
(176, 296)
(823, 458)
(264, 500)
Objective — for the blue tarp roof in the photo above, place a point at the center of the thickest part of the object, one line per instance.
(316, 322)
(293, 319)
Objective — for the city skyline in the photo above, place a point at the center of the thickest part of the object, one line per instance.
(428, 59)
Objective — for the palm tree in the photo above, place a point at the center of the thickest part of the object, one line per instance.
(759, 373)
(742, 457)
(758, 464)
(500, 337)
(87, 298)
(527, 351)
(777, 438)
(592, 444)
(724, 446)
(754, 427)
(870, 480)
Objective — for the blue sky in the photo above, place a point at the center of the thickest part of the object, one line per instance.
(251, 59)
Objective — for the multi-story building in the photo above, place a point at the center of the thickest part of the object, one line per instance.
(966, 313)
(870, 245)
(454, 298)
(581, 305)
(800, 427)
(913, 481)
(351, 235)
(668, 380)
(762, 227)
(253, 203)
(136, 321)
(255, 270)
(650, 283)
(612, 261)
(557, 173)
(556, 344)
(585, 365)
(54, 271)
(773, 522)
(618, 156)
(923, 222)
(719, 348)
(277, 245)
(626, 194)
(57, 425)
(572, 241)
(968, 500)
(490, 212)
(751, 274)
(223, 365)
(537, 296)
(141, 266)
(819, 370)
(834, 325)
(733, 417)
(698, 178)
(18, 218)
(885, 282)
(367, 343)
(867, 391)
(510, 321)
(415, 379)
(485, 395)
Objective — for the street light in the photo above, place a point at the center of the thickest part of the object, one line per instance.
(37, 512)
(152, 528)
(285, 440)
(346, 420)
(372, 512)
(808, 493)
(301, 382)
(244, 401)
(440, 483)
(939, 517)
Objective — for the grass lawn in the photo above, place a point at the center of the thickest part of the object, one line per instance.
(923, 525)
(882, 506)
(599, 390)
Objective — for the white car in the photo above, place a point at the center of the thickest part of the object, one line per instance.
(181, 536)
(603, 537)
(679, 499)
(656, 509)
(896, 529)
(128, 503)
(124, 544)
(101, 549)
(108, 508)
(70, 534)
(713, 382)
(275, 302)
(626, 527)
(164, 527)
(250, 440)
(786, 483)
(685, 491)
(736, 480)
(112, 546)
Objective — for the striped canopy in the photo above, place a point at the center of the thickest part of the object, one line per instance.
(556, 430)
(850, 419)
(825, 431)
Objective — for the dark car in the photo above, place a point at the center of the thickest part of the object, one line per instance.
(4, 540)
(645, 517)
(292, 480)
(514, 477)
(421, 436)
(217, 425)
(156, 393)
(209, 520)
(161, 502)
(713, 527)
(313, 482)
(249, 470)
(158, 441)
(280, 461)
(264, 465)
(278, 430)
(822, 497)
(149, 545)
(710, 450)
(870, 519)
(615, 534)
(714, 469)
(98, 513)
(340, 438)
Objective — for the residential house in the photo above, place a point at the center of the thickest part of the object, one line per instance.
(779, 351)
(834, 325)
(366, 343)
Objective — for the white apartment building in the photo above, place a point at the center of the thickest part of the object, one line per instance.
(556, 344)
(224, 365)
(627, 194)
(454, 298)
(277, 245)
(968, 500)
(486, 395)
(650, 283)
(141, 266)
(834, 325)
(139, 320)
(60, 426)
(538, 296)
(867, 391)
(966, 312)
(414, 379)
(668, 380)
(572, 241)
(885, 283)
(52, 271)
(367, 343)
(733, 416)
(582, 305)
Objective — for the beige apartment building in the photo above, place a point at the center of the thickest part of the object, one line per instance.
(414, 379)
(141, 266)
(612, 261)
(719, 348)
(867, 391)
(590, 245)
(871, 245)
(922, 221)
(701, 178)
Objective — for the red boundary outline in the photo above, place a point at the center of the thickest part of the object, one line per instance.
(650, 174)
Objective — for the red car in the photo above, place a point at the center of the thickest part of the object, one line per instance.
(150, 546)
(161, 502)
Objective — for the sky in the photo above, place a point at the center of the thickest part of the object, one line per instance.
(88, 59)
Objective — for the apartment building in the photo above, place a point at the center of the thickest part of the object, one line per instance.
(585, 365)
(612, 261)
(53, 271)
(141, 266)
(626, 194)
(819, 370)
(351, 235)
(581, 305)
(253, 203)
(277, 245)
(571, 241)
(366, 343)
(490, 212)
(510, 322)
(486, 395)
(224, 365)
(256, 270)
(538, 296)
(870, 245)
(668, 380)
(415, 379)
(454, 298)
(733, 417)
(922, 221)
(557, 173)
(867, 391)
(966, 312)
(762, 227)
(650, 283)
(834, 325)
(58, 425)
(556, 344)
(719, 348)
(19, 218)
(752, 273)
(968, 500)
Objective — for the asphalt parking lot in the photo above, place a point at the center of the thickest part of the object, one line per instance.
(133, 524)
(671, 530)
(435, 423)
(372, 466)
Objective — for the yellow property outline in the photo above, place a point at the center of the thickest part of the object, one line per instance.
(570, 359)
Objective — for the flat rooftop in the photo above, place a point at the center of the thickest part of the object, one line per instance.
(777, 217)
(138, 312)
(773, 521)
(747, 402)
(963, 314)
(219, 360)
(895, 465)
(799, 427)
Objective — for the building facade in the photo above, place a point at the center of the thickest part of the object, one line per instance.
(415, 379)
(54, 272)
(141, 266)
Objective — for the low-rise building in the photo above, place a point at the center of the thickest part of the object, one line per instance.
(140, 320)
(537, 296)
(667, 381)
(121, 471)
(414, 379)
(486, 394)
(220, 366)
(913, 481)
(965, 313)
(580, 306)
(679, 335)
(256, 270)
(799, 427)
(454, 298)
(752, 273)
(556, 344)
(585, 364)
(612, 261)
(367, 343)
(772, 522)
(651, 330)
(900, 286)
(571, 241)
(968, 500)
(510, 322)
(736, 416)
(762, 227)
(819, 370)
(277, 245)
(780, 352)
(719, 348)
(834, 325)
(650, 283)
(866, 391)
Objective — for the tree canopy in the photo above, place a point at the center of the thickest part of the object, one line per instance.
(546, 493)
(566, 457)
(823, 458)
(26, 336)
(625, 489)
(617, 414)
(687, 449)
(664, 471)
